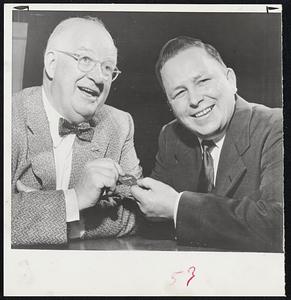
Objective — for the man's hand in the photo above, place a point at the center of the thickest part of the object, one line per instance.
(96, 175)
(155, 199)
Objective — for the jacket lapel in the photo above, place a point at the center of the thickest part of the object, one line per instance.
(231, 166)
(87, 151)
(188, 157)
(40, 143)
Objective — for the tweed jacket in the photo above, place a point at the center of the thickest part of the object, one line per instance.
(244, 212)
(39, 217)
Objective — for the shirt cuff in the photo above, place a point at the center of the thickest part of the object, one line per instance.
(72, 207)
(176, 208)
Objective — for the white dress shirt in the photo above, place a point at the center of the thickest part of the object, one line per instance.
(215, 154)
(63, 149)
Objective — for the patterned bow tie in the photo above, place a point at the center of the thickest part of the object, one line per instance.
(84, 131)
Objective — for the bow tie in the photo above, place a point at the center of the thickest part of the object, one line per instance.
(84, 131)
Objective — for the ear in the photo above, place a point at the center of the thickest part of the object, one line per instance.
(50, 62)
(230, 75)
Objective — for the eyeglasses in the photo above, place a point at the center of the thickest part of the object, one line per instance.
(87, 64)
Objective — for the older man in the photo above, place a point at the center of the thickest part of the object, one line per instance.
(218, 172)
(69, 149)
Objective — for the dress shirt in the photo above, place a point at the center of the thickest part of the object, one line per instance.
(63, 149)
(215, 154)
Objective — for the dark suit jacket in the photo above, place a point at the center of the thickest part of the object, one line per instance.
(245, 210)
(40, 217)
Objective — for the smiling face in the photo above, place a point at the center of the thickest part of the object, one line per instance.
(200, 92)
(74, 94)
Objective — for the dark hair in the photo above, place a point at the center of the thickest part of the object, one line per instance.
(178, 44)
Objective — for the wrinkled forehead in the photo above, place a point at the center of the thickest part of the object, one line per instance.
(87, 37)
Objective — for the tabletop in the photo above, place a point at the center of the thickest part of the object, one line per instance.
(132, 243)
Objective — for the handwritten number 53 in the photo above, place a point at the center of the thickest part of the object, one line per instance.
(190, 273)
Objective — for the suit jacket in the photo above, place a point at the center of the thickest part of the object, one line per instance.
(245, 210)
(39, 217)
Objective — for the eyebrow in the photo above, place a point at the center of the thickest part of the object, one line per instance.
(84, 49)
(196, 78)
(92, 53)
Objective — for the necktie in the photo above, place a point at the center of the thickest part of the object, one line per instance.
(206, 180)
(84, 131)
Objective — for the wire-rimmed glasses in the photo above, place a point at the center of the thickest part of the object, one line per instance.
(87, 63)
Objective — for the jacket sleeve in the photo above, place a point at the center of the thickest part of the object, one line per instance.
(37, 217)
(253, 223)
(162, 168)
(125, 217)
(128, 159)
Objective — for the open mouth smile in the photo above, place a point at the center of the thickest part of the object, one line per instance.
(204, 112)
(89, 92)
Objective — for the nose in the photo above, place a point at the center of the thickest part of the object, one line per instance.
(96, 74)
(195, 97)
(97, 77)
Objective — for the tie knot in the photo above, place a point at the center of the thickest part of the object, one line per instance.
(207, 145)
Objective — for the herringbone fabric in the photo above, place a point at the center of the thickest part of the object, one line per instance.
(39, 217)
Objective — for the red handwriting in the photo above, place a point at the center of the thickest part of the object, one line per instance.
(190, 272)
(173, 277)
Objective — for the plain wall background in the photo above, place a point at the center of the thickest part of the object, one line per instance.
(250, 43)
(19, 37)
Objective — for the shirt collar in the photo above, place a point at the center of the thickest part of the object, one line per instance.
(217, 144)
(53, 118)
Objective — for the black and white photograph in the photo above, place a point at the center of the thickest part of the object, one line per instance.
(149, 136)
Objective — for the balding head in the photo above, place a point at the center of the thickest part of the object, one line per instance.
(69, 29)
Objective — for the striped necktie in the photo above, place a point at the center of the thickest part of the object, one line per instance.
(206, 179)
